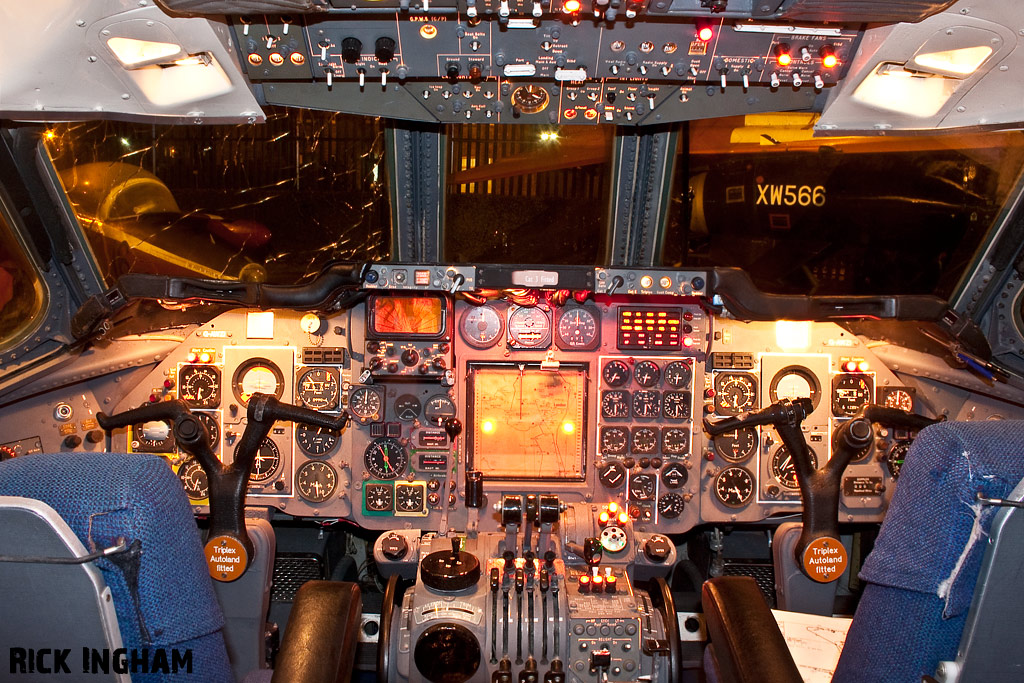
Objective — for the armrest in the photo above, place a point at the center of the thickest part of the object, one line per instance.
(747, 643)
(320, 641)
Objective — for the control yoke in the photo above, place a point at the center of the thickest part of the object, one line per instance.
(819, 488)
(227, 483)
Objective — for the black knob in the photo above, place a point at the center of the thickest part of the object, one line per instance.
(384, 49)
(452, 427)
(351, 49)
(410, 357)
(658, 549)
(72, 441)
(94, 436)
(394, 547)
(592, 551)
(510, 560)
(452, 69)
(375, 363)
(549, 559)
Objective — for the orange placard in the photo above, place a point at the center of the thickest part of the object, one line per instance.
(226, 558)
(824, 559)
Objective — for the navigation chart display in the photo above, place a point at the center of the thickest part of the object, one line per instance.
(528, 423)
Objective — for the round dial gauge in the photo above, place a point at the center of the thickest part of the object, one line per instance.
(615, 373)
(212, 428)
(738, 445)
(674, 475)
(644, 440)
(735, 393)
(612, 474)
(675, 405)
(316, 481)
(850, 392)
(675, 441)
(895, 458)
(577, 329)
(409, 498)
(615, 404)
(482, 326)
(734, 486)
(614, 440)
(407, 407)
(642, 486)
(385, 458)
(199, 386)
(438, 409)
(530, 99)
(365, 404)
(193, 479)
(257, 375)
(784, 468)
(671, 505)
(795, 382)
(529, 327)
(901, 399)
(318, 389)
(267, 462)
(646, 373)
(315, 440)
(646, 403)
(378, 497)
(678, 374)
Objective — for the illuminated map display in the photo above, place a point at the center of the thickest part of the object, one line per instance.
(420, 316)
(528, 422)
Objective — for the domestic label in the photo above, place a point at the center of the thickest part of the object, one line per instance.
(226, 558)
(824, 560)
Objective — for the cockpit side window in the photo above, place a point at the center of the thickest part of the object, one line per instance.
(265, 203)
(837, 216)
(22, 296)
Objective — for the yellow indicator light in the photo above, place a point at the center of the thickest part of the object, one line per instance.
(623, 518)
(863, 366)
(487, 426)
(568, 427)
(646, 281)
(50, 135)
(428, 31)
(613, 508)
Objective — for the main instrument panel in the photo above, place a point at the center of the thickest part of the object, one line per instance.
(598, 398)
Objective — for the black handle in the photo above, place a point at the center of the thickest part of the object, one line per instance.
(783, 412)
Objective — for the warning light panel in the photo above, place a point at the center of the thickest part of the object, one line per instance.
(649, 329)
(783, 55)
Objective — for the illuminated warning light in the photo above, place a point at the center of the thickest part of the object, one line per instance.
(705, 32)
(255, 59)
(646, 281)
(603, 518)
(597, 584)
(613, 508)
(609, 583)
(665, 282)
(276, 58)
(568, 427)
(204, 357)
(571, 6)
(828, 57)
(192, 357)
(487, 426)
(688, 341)
(862, 366)
(569, 113)
(297, 58)
(783, 55)
(623, 518)
(428, 31)
(590, 114)
(584, 583)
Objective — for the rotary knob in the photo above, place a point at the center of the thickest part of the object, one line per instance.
(394, 547)
(657, 549)
(449, 571)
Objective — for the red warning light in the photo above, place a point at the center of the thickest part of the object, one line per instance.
(705, 33)
(850, 366)
(828, 57)
(571, 6)
(569, 113)
(783, 55)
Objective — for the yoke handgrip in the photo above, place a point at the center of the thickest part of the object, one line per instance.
(782, 412)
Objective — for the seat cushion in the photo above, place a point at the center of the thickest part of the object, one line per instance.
(107, 496)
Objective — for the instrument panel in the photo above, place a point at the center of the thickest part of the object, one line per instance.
(600, 402)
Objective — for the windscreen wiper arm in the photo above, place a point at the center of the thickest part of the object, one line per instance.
(318, 294)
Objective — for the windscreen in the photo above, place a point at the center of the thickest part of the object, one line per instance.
(836, 216)
(528, 422)
(263, 203)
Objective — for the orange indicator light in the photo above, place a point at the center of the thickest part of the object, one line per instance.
(297, 58)
(705, 33)
(785, 59)
(862, 366)
(428, 31)
(613, 508)
(568, 427)
(569, 113)
(830, 61)
(590, 114)
(571, 6)
(623, 518)
(602, 518)
(487, 426)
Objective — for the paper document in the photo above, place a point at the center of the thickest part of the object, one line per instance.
(815, 642)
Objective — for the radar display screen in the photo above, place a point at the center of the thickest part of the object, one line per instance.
(407, 316)
(528, 423)
(641, 329)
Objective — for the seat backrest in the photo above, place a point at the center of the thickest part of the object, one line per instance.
(163, 599)
(921, 576)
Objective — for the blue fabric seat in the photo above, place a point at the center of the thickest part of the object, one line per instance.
(922, 572)
(105, 497)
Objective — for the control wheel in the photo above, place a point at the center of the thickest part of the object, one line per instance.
(389, 609)
(661, 598)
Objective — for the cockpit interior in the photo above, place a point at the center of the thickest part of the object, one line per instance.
(511, 341)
